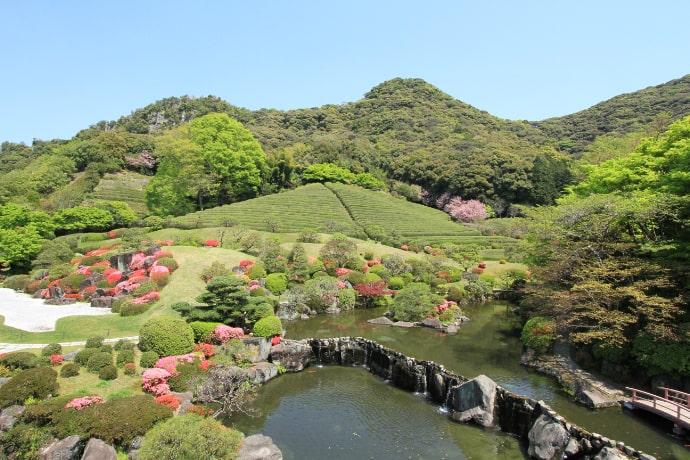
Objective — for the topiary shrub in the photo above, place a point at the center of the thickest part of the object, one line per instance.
(166, 336)
(123, 344)
(69, 370)
(276, 282)
(145, 288)
(124, 357)
(539, 334)
(35, 383)
(17, 282)
(268, 327)
(205, 439)
(105, 348)
(51, 349)
(98, 361)
(256, 271)
(83, 356)
(168, 262)
(117, 421)
(130, 308)
(347, 298)
(396, 283)
(184, 375)
(20, 360)
(202, 330)
(94, 342)
(108, 373)
(148, 359)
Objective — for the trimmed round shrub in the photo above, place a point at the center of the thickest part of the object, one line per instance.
(69, 370)
(168, 262)
(123, 344)
(108, 373)
(257, 292)
(539, 334)
(184, 373)
(83, 356)
(256, 271)
(51, 349)
(20, 360)
(276, 282)
(455, 294)
(124, 357)
(204, 439)
(268, 327)
(105, 348)
(148, 359)
(202, 330)
(94, 342)
(347, 298)
(98, 361)
(145, 288)
(129, 369)
(166, 336)
(130, 308)
(396, 283)
(355, 277)
(35, 383)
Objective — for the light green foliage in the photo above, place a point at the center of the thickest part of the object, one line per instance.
(190, 436)
(368, 180)
(122, 214)
(276, 282)
(82, 218)
(539, 333)
(347, 298)
(166, 336)
(327, 172)
(268, 327)
(414, 302)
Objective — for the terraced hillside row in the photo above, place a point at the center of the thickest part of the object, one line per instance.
(311, 207)
(125, 186)
(410, 220)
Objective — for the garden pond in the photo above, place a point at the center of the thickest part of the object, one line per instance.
(339, 412)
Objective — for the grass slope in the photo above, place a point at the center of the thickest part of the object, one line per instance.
(126, 186)
(310, 207)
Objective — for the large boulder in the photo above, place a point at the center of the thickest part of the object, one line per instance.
(8, 416)
(261, 372)
(97, 449)
(294, 356)
(102, 302)
(611, 453)
(259, 447)
(65, 449)
(474, 401)
(548, 438)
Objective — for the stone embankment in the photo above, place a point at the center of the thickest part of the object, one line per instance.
(480, 400)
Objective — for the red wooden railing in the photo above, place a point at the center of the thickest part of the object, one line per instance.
(674, 405)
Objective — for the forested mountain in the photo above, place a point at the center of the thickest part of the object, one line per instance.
(404, 131)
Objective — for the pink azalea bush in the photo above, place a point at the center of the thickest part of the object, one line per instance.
(222, 334)
(155, 381)
(86, 401)
(170, 363)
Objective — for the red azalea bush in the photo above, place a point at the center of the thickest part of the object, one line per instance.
(56, 360)
(169, 400)
(129, 369)
(211, 243)
(205, 348)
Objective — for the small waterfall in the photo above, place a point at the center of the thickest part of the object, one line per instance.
(420, 380)
(319, 359)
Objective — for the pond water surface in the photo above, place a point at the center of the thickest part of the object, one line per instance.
(345, 413)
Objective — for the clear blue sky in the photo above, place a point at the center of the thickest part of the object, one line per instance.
(68, 64)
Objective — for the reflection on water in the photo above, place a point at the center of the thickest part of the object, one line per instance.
(347, 413)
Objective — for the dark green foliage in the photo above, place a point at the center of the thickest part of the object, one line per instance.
(69, 370)
(94, 342)
(226, 300)
(108, 372)
(105, 348)
(124, 357)
(414, 302)
(202, 330)
(168, 262)
(130, 308)
(35, 383)
(658, 356)
(17, 282)
(538, 333)
(19, 360)
(123, 344)
(184, 377)
(148, 359)
(204, 439)
(166, 336)
(216, 269)
(98, 361)
(144, 288)
(83, 356)
(114, 421)
(268, 327)
(23, 442)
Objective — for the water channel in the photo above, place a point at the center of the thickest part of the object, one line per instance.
(345, 413)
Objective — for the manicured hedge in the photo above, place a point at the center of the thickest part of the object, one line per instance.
(166, 336)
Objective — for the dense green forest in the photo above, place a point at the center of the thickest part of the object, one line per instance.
(603, 193)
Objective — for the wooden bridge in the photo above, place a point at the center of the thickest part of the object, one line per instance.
(674, 405)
